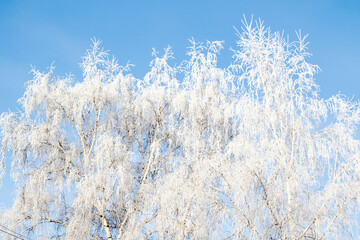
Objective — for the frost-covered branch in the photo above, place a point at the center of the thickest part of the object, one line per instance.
(191, 151)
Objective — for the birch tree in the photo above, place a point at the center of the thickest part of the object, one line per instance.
(193, 151)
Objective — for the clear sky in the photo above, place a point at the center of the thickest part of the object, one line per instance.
(41, 32)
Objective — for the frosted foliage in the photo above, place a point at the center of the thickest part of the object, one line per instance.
(188, 152)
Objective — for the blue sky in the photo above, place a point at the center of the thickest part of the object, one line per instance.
(41, 32)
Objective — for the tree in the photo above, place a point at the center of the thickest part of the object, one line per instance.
(189, 152)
